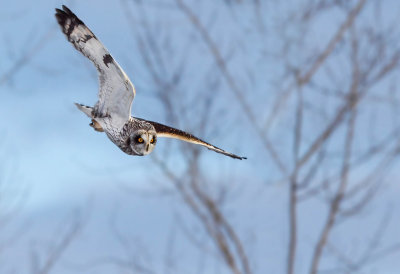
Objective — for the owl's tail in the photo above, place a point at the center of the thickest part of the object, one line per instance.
(85, 109)
(89, 112)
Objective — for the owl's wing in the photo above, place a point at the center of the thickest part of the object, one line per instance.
(116, 90)
(169, 132)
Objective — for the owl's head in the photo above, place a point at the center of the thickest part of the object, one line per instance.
(143, 141)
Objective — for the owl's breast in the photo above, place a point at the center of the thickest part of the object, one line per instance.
(121, 136)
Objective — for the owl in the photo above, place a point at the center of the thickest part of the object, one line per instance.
(112, 112)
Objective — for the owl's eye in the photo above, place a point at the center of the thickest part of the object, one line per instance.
(152, 140)
(140, 140)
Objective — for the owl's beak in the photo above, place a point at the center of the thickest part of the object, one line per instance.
(148, 145)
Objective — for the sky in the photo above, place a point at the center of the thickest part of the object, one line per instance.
(58, 168)
(57, 162)
(52, 139)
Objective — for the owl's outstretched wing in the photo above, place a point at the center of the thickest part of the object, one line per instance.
(169, 132)
(116, 90)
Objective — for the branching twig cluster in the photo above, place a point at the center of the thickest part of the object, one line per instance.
(324, 163)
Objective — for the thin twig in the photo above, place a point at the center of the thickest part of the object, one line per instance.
(241, 99)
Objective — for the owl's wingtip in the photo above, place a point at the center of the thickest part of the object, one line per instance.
(234, 156)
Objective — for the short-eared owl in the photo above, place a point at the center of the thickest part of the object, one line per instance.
(112, 112)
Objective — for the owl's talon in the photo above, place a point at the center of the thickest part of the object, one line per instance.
(96, 126)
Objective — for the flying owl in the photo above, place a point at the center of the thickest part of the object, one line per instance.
(112, 112)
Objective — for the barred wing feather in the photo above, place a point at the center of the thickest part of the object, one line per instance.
(116, 90)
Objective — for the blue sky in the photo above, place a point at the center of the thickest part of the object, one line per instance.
(42, 104)
(62, 164)
(51, 155)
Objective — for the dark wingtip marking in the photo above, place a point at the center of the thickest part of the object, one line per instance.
(233, 155)
(63, 16)
(72, 15)
(236, 157)
(107, 59)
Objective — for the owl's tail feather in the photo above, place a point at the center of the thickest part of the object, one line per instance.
(85, 109)
(89, 112)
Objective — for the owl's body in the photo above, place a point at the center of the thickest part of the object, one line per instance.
(112, 112)
(127, 135)
(122, 138)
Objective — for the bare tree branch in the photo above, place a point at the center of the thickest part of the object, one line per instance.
(231, 83)
(57, 251)
(27, 56)
(304, 78)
